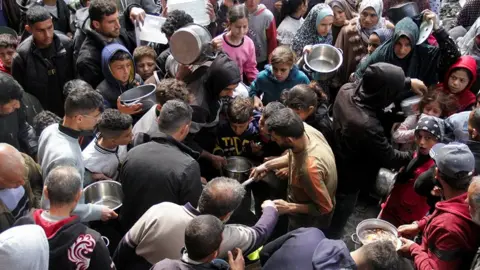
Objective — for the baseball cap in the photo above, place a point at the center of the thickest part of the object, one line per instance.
(453, 158)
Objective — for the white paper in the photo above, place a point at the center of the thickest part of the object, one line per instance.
(195, 8)
(150, 30)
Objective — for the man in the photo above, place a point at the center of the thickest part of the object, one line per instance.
(312, 173)
(203, 237)
(159, 233)
(473, 200)
(162, 170)
(104, 29)
(361, 147)
(44, 61)
(58, 145)
(15, 129)
(450, 237)
(308, 248)
(20, 185)
(72, 244)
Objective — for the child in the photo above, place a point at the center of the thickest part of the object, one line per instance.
(317, 29)
(144, 57)
(434, 103)
(238, 134)
(262, 30)
(8, 47)
(310, 103)
(237, 45)
(104, 156)
(281, 74)
(458, 80)
(119, 72)
(292, 19)
(43, 120)
(404, 205)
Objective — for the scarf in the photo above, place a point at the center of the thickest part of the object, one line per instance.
(347, 6)
(377, 5)
(307, 34)
(467, 44)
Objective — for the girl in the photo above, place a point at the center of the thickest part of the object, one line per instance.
(404, 205)
(433, 103)
(311, 104)
(344, 11)
(281, 74)
(237, 45)
(317, 29)
(291, 17)
(377, 38)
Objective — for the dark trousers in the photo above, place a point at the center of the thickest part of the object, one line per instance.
(344, 207)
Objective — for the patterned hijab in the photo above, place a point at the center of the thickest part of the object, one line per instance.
(377, 5)
(307, 34)
(347, 6)
(467, 44)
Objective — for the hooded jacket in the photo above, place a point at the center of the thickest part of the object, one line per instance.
(466, 99)
(271, 88)
(3, 68)
(111, 88)
(450, 238)
(361, 147)
(72, 244)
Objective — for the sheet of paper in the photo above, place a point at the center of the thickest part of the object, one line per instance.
(195, 8)
(150, 30)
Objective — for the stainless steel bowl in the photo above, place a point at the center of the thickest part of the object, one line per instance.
(323, 61)
(410, 105)
(191, 44)
(374, 223)
(106, 192)
(384, 182)
(144, 94)
(237, 168)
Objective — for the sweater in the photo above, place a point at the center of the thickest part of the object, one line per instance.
(287, 30)
(244, 55)
(58, 146)
(263, 31)
(271, 88)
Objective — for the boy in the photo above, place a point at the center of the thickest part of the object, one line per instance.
(104, 156)
(144, 57)
(119, 72)
(8, 47)
(239, 133)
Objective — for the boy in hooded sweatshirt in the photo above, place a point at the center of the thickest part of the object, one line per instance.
(119, 71)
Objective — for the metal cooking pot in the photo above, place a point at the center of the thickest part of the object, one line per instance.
(410, 105)
(237, 168)
(323, 61)
(373, 223)
(144, 94)
(192, 44)
(384, 183)
(171, 66)
(106, 192)
(400, 11)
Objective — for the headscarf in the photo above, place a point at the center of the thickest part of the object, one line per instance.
(347, 6)
(467, 44)
(377, 5)
(307, 34)
(384, 34)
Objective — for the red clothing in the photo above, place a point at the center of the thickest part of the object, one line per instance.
(4, 68)
(404, 205)
(449, 237)
(50, 228)
(465, 98)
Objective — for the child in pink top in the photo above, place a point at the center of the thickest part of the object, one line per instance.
(237, 45)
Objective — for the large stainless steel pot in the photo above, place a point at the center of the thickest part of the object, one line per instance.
(373, 223)
(323, 61)
(192, 44)
(106, 192)
(144, 94)
(237, 168)
(410, 105)
(384, 183)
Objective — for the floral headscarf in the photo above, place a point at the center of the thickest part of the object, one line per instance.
(307, 34)
(377, 5)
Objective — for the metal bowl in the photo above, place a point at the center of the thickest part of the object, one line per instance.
(144, 94)
(374, 223)
(191, 44)
(410, 105)
(384, 182)
(107, 192)
(400, 11)
(323, 61)
(237, 168)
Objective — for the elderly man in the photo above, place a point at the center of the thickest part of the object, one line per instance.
(312, 173)
(18, 175)
(473, 200)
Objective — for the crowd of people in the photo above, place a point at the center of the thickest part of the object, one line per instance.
(399, 102)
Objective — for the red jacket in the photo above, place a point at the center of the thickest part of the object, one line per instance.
(449, 237)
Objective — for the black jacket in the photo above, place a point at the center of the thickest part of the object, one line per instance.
(361, 147)
(161, 170)
(12, 12)
(321, 121)
(168, 264)
(44, 78)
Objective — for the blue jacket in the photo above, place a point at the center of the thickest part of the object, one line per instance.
(271, 88)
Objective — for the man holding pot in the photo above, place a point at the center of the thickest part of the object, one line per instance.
(312, 180)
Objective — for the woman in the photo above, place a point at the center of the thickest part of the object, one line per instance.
(344, 11)
(317, 29)
(422, 61)
(470, 43)
(353, 38)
